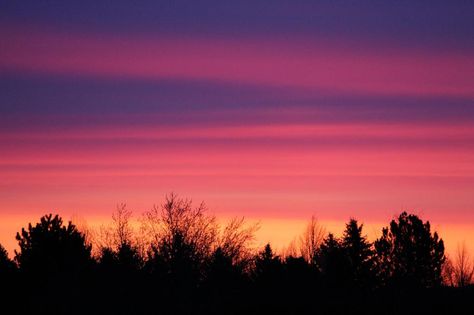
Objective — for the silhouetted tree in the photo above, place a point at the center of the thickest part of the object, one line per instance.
(291, 249)
(54, 260)
(267, 267)
(221, 270)
(233, 255)
(10, 286)
(235, 242)
(447, 272)
(50, 247)
(463, 267)
(195, 266)
(408, 254)
(360, 254)
(223, 277)
(299, 286)
(7, 266)
(128, 258)
(107, 259)
(269, 285)
(182, 236)
(125, 252)
(311, 239)
(182, 240)
(333, 262)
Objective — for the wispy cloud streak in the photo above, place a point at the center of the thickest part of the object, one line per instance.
(279, 63)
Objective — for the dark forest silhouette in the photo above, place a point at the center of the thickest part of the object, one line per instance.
(183, 262)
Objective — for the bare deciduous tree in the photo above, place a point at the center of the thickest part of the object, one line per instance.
(291, 250)
(122, 231)
(117, 233)
(83, 227)
(311, 240)
(177, 217)
(448, 272)
(236, 239)
(463, 267)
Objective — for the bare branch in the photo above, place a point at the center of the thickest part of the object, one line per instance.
(311, 239)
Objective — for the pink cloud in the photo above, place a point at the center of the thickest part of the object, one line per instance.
(322, 65)
(255, 131)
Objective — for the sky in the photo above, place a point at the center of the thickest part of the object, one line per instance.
(273, 110)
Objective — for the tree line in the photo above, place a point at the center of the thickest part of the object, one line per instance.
(182, 261)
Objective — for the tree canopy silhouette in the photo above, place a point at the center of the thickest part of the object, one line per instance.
(268, 267)
(193, 265)
(409, 254)
(50, 247)
(333, 262)
(7, 266)
(182, 239)
(311, 239)
(462, 267)
(360, 255)
(121, 253)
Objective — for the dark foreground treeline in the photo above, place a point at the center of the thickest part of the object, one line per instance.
(182, 262)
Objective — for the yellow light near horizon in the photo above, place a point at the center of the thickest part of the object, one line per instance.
(278, 232)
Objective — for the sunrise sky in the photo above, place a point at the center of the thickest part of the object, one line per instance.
(275, 110)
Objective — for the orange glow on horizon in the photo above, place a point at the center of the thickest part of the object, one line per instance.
(278, 232)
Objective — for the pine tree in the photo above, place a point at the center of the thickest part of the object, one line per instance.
(360, 255)
(409, 255)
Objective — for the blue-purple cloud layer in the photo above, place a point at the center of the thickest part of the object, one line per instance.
(435, 23)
